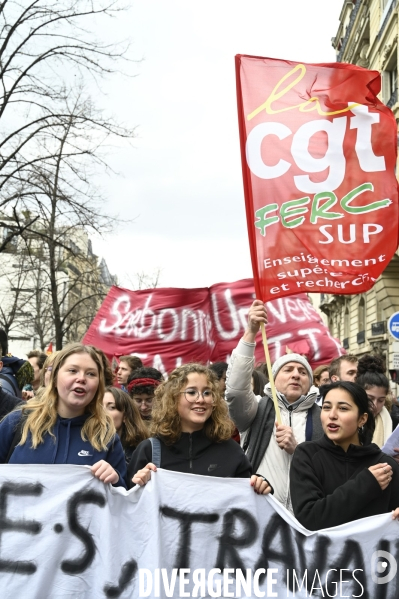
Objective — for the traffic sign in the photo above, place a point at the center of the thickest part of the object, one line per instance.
(393, 325)
(396, 360)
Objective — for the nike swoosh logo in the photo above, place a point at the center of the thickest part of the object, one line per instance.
(83, 453)
(212, 467)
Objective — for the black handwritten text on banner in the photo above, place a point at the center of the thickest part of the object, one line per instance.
(64, 534)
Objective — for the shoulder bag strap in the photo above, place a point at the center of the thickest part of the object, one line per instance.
(16, 438)
(156, 451)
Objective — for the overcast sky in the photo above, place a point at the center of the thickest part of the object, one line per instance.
(182, 184)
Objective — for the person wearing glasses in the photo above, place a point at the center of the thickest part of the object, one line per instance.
(141, 387)
(191, 421)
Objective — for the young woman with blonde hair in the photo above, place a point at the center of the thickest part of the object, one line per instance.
(190, 420)
(67, 424)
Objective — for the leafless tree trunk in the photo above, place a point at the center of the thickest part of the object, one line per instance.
(46, 46)
(144, 280)
(53, 142)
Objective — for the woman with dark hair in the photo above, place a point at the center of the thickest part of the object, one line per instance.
(191, 422)
(343, 476)
(127, 420)
(371, 376)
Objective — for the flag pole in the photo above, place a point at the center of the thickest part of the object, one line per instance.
(249, 211)
(270, 373)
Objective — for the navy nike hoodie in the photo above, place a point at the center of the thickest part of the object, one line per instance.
(65, 447)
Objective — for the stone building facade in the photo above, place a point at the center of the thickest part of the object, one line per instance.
(368, 37)
(27, 307)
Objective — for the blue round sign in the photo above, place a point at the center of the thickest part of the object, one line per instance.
(393, 325)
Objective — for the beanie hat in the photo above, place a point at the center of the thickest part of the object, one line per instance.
(280, 362)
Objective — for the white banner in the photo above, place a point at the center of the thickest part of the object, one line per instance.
(63, 534)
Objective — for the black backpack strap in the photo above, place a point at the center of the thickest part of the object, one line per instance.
(309, 426)
(156, 451)
(247, 440)
(10, 379)
(16, 438)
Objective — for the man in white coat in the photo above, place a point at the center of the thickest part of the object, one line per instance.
(270, 446)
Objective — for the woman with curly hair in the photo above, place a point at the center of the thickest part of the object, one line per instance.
(67, 423)
(190, 419)
(371, 376)
(127, 420)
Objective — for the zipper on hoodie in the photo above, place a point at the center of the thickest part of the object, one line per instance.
(190, 450)
(65, 461)
(290, 408)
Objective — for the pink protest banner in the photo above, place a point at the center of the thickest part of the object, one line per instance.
(169, 327)
(318, 155)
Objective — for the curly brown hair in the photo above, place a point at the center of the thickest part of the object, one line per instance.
(166, 421)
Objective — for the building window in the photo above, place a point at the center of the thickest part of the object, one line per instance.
(385, 5)
(331, 325)
(346, 322)
(379, 311)
(390, 85)
(361, 323)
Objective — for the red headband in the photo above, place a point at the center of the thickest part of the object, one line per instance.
(142, 383)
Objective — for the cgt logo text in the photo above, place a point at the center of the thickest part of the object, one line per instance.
(185, 582)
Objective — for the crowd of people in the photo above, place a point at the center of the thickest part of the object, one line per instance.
(320, 454)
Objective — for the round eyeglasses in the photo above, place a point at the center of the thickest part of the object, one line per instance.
(192, 395)
(147, 402)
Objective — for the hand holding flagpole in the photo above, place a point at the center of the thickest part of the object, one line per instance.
(257, 318)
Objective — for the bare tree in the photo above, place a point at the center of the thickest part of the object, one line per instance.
(45, 47)
(15, 291)
(144, 280)
(24, 305)
(69, 205)
(29, 308)
(53, 141)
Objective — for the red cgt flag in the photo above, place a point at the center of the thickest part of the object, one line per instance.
(318, 155)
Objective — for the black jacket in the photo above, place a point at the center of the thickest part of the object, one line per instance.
(330, 487)
(194, 453)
